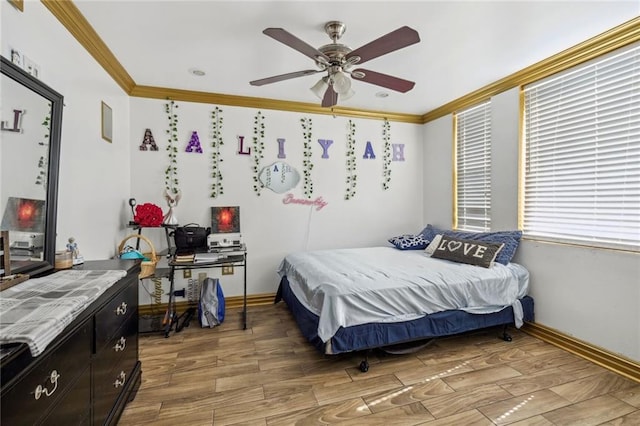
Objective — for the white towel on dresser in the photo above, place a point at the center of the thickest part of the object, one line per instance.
(36, 311)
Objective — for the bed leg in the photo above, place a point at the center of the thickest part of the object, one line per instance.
(364, 365)
(505, 336)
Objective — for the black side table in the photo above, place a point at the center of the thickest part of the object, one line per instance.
(218, 258)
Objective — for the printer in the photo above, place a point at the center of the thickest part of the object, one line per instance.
(226, 241)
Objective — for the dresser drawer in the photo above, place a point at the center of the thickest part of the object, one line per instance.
(111, 317)
(109, 383)
(124, 340)
(32, 397)
(74, 408)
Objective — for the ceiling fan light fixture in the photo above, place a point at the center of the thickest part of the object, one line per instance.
(320, 87)
(341, 83)
(337, 59)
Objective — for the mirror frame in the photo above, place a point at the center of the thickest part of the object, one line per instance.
(9, 69)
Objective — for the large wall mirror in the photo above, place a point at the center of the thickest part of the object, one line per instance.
(30, 128)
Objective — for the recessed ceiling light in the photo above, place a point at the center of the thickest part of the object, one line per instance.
(382, 94)
(196, 72)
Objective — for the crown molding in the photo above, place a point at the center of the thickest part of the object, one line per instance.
(264, 103)
(18, 4)
(615, 38)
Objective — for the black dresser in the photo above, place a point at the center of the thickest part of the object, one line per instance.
(89, 372)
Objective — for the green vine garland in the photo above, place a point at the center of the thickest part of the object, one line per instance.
(216, 142)
(307, 164)
(351, 162)
(258, 149)
(43, 162)
(386, 161)
(171, 173)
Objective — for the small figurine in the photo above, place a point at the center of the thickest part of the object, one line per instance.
(172, 201)
(72, 246)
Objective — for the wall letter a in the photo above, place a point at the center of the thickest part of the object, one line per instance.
(368, 152)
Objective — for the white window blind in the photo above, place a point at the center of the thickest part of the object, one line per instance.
(582, 154)
(473, 168)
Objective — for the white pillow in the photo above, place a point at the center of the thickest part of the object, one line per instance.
(433, 245)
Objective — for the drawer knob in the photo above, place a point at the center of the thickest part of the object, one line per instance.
(122, 377)
(120, 345)
(122, 309)
(40, 390)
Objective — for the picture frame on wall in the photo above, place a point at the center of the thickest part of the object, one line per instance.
(107, 122)
(225, 220)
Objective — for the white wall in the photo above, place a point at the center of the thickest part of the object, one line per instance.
(587, 293)
(270, 228)
(438, 172)
(94, 174)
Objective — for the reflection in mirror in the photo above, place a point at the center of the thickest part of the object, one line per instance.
(279, 177)
(30, 123)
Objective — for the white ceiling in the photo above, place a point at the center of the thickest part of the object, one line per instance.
(464, 45)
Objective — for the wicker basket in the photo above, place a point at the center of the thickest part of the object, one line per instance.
(148, 267)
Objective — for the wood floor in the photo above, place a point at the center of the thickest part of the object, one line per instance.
(269, 375)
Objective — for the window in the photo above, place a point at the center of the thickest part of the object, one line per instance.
(473, 168)
(582, 154)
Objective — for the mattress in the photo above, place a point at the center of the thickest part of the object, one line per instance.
(379, 335)
(350, 287)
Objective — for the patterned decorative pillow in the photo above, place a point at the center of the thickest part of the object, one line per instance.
(409, 242)
(472, 252)
(510, 239)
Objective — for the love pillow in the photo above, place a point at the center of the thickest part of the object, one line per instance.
(511, 239)
(472, 252)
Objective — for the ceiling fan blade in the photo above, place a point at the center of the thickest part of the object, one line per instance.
(402, 37)
(294, 42)
(281, 77)
(330, 97)
(384, 80)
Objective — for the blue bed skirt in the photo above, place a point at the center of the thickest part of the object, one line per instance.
(377, 335)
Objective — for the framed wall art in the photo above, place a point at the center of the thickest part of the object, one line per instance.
(225, 220)
(107, 123)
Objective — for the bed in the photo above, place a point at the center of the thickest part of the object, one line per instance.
(359, 299)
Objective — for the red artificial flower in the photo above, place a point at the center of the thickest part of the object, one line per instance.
(148, 214)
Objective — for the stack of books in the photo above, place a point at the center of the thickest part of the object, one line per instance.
(184, 258)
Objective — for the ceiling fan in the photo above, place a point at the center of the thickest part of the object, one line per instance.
(337, 60)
